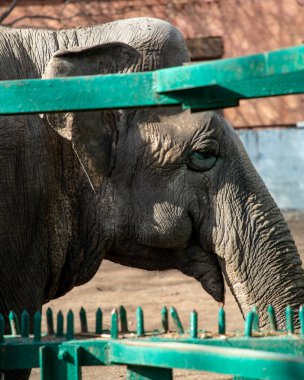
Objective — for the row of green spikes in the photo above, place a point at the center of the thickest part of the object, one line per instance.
(70, 323)
(60, 322)
(251, 323)
(252, 320)
(140, 331)
(114, 331)
(24, 331)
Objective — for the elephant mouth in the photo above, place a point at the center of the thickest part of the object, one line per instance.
(205, 267)
(193, 261)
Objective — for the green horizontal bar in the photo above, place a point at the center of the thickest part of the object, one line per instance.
(79, 93)
(240, 362)
(210, 85)
(205, 354)
(277, 62)
(229, 94)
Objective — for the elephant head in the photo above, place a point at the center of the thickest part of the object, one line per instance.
(179, 192)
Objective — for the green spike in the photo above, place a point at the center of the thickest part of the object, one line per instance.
(176, 320)
(140, 329)
(114, 324)
(70, 325)
(301, 317)
(289, 320)
(248, 324)
(255, 322)
(37, 326)
(2, 326)
(59, 328)
(13, 320)
(83, 321)
(221, 321)
(49, 321)
(98, 324)
(193, 324)
(165, 319)
(272, 318)
(25, 324)
(123, 319)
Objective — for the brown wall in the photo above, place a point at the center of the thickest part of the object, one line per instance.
(247, 26)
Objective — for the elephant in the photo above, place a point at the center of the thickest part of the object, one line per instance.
(153, 188)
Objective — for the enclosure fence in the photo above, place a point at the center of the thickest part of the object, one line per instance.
(60, 353)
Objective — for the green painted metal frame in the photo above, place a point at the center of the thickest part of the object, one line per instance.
(208, 85)
(64, 360)
(153, 355)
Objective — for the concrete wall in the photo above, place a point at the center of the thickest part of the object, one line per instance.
(278, 155)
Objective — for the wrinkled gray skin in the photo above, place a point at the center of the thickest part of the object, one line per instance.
(151, 188)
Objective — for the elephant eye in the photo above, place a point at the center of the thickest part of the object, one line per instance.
(201, 161)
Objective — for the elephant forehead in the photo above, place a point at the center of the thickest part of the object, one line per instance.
(180, 126)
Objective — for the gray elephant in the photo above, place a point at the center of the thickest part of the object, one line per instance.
(157, 188)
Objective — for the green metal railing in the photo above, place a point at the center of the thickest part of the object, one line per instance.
(209, 85)
(250, 354)
(152, 355)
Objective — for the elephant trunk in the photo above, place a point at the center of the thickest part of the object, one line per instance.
(268, 273)
(258, 255)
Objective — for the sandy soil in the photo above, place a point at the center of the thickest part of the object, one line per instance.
(114, 285)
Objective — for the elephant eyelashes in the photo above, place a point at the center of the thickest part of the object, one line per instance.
(201, 161)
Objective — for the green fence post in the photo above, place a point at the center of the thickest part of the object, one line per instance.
(289, 320)
(148, 373)
(165, 319)
(51, 366)
(49, 321)
(123, 319)
(272, 318)
(25, 324)
(176, 320)
(70, 325)
(74, 365)
(301, 317)
(37, 326)
(193, 324)
(98, 322)
(221, 322)
(60, 363)
(114, 324)
(255, 321)
(59, 330)
(140, 328)
(248, 324)
(13, 320)
(83, 321)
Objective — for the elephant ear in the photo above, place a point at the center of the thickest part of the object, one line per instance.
(92, 133)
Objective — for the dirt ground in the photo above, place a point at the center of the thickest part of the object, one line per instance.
(114, 285)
